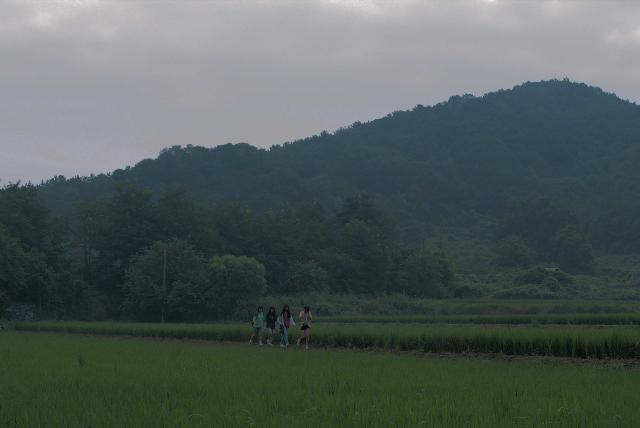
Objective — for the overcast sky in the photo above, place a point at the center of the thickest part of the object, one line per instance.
(91, 86)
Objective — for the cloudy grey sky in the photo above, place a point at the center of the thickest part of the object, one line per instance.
(90, 86)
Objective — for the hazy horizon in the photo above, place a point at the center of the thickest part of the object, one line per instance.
(93, 86)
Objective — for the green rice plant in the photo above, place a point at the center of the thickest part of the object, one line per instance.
(151, 383)
(560, 341)
(625, 318)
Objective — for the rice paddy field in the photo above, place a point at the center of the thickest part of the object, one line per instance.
(568, 341)
(511, 319)
(64, 380)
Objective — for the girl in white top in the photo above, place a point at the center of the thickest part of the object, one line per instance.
(305, 329)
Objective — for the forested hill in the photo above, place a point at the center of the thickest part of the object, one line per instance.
(457, 165)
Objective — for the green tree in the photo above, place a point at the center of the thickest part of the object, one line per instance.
(133, 222)
(178, 215)
(513, 251)
(14, 267)
(342, 270)
(166, 282)
(363, 236)
(34, 267)
(536, 222)
(551, 231)
(110, 233)
(307, 276)
(573, 251)
(425, 274)
(237, 283)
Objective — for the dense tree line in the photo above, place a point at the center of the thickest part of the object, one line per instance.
(545, 175)
(34, 248)
(543, 232)
(170, 257)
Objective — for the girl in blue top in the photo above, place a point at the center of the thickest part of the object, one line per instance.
(258, 325)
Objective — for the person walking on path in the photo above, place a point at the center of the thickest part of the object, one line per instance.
(271, 324)
(305, 329)
(285, 320)
(258, 325)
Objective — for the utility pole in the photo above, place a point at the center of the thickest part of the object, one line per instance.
(164, 281)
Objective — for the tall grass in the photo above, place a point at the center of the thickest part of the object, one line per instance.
(558, 341)
(510, 319)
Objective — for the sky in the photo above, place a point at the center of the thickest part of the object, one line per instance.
(89, 86)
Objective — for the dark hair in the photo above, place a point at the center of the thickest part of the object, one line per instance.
(259, 308)
(306, 309)
(271, 315)
(286, 308)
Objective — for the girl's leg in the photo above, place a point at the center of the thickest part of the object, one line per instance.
(285, 337)
(307, 336)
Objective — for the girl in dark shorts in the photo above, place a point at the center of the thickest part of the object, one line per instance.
(271, 324)
(305, 329)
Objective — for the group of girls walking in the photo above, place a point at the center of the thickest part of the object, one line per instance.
(284, 321)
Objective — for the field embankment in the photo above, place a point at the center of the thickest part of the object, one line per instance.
(557, 341)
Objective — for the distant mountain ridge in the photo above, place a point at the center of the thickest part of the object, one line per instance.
(456, 165)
